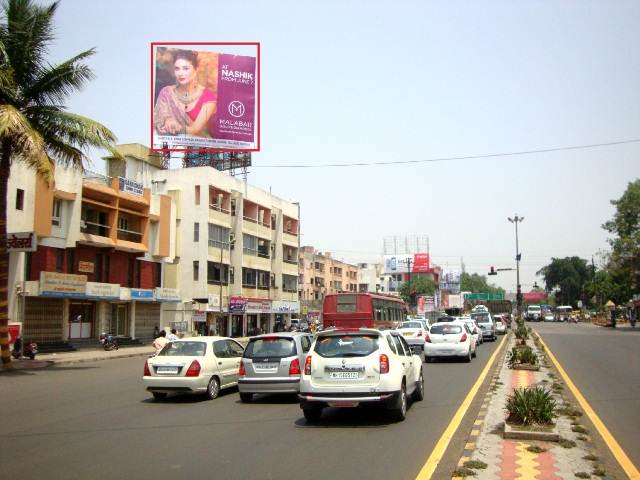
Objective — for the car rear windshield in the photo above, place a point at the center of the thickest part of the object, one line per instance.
(346, 303)
(411, 325)
(446, 329)
(481, 317)
(445, 319)
(270, 347)
(332, 346)
(184, 349)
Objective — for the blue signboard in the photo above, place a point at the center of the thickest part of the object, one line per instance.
(140, 294)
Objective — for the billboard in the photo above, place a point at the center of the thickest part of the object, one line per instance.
(419, 263)
(533, 297)
(450, 280)
(203, 100)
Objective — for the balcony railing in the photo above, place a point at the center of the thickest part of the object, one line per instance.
(94, 228)
(218, 244)
(286, 260)
(249, 219)
(214, 206)
(263, 255)
(97, 177)
(129, 235)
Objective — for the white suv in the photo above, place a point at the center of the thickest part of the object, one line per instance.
(347, 367)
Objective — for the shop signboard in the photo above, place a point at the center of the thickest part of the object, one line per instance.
(237, 304)
(103, 291)
(164, 294)
(429, 304)
(22, 242)
(179, 326)
(53, 284)
(142, 294)
(125, 293)
(285, 306)
(198, 316)
(257, 305)
(86, 267)
(131, 186)
(213, 302)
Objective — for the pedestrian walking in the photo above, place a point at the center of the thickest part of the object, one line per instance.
(156, 332)
(160, 342)
(172, 337)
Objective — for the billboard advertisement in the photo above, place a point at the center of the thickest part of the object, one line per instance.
(450, 280)
(534, 297)
(419, 263)
(203, 100)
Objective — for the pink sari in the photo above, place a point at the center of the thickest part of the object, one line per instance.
(168, 107)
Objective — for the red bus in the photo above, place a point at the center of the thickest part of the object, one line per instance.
(355, 310)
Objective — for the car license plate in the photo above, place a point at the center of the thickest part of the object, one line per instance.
(407, 334)
(265, 366)
(167, 369)
(344, 375)
(343, 404)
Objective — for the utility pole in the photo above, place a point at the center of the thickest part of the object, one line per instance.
(409, 275)
(517, 220)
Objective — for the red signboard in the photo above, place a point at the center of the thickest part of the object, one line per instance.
(421, 263)
(534, 296)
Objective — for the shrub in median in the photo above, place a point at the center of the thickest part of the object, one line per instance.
(522, 356)
(531, 406)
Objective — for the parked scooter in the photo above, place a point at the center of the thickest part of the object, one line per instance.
(108, 341)
(24, 350)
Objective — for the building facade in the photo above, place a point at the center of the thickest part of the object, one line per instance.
(321, 274)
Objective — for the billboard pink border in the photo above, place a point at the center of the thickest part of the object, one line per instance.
(257, 149)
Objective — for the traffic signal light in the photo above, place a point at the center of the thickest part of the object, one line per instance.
(492, 271)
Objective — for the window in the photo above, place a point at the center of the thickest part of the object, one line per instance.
(219, 236)
(305, 342)
(196, 232)
(158, 274)
(217, 273)
(59, 259)
(19, 199)
(55, 215)
(250, 245)
(391, 344)
(398, 343)
(407, 349)
(289, 283)
(196, 270)
(346, 303)
(249, 277)
(197, 194)
(123, 223)
(70, 261)
(263, 279)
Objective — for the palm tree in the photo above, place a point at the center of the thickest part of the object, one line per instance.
(35, 127)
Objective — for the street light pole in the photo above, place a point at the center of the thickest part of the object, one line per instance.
(517, 220)
(409, 289)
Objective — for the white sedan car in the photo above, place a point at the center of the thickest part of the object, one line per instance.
(194, 365)
(350, 367)
(453, 339)
(414, 332)
(475, 329)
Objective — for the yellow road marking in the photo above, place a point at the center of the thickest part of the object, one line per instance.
(622, 458)
(436, 454)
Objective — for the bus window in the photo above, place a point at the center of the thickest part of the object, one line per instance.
(346, 303)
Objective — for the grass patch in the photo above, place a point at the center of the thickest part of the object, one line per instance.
(564, 443)
(582, 475)
(477, 464)
(591, 457)
(569, 411)
(463, 472)
(583, 438)
(599, 472)
(557, 387)
(536, 449)
(579, 429)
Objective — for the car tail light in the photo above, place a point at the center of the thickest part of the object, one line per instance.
(193, 370)
(463, 338)
(427, 338)
(307, 365)
(242, 372)
(419, 333)
(147, 371)
(294, 367)
(384, 363)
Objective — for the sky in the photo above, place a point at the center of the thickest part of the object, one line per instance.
(372, 81)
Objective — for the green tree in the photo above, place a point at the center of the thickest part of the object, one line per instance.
(568, 276)
(419, 285)
(35, 127)
(624, 261)
(475, 283)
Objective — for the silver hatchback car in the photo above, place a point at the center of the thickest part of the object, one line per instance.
(273, 363)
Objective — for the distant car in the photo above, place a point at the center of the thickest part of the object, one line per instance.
(474, 327)
(485, 321)
(450, 340)
(445, 318)
(193, 365)
(480, 308)
(549, 317)
(272, 363)
(414, 332)
(534, 313)
(350, 367)
(501, 327)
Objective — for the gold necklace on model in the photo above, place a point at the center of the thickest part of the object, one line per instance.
(186, 98)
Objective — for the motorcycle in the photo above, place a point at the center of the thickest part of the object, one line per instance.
(108, 342)
(29, 349)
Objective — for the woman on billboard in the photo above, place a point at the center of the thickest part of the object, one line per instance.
(185, 107)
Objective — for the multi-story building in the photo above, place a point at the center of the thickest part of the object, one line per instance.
(321, 274)
(99, 246)
(236, 249)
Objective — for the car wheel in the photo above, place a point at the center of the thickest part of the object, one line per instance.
(312, 414)
(159, 395)
(399, 413)
(467, 357)
(475, 354)
(213, 389)
(418, 393)
(427, 359)
(246, 397)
